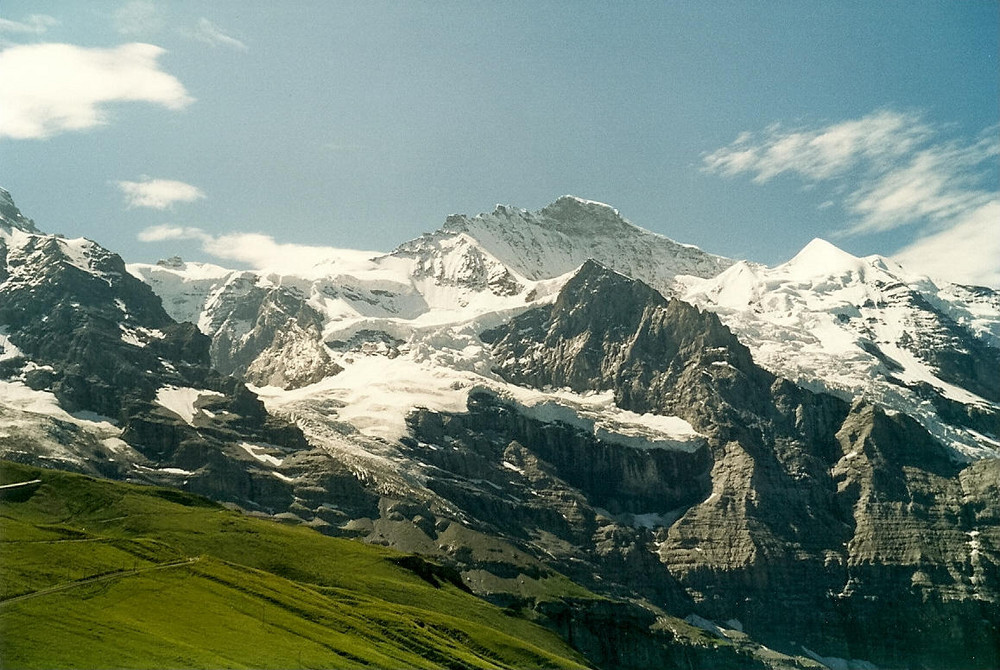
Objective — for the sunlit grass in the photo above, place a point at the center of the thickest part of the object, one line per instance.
(256, 594)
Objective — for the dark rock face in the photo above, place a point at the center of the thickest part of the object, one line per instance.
(556, 491)
(99, 340)
(614, 635)
(11, 216)
(822, 519)
(958, 356)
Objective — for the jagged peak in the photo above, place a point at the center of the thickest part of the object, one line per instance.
(501, 209)
(594, 268)
(590, 265)
(11, 216)
(568, 212)
(584, 202)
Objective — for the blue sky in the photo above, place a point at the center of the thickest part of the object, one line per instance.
(746, 128)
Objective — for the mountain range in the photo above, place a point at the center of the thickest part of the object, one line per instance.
(802, 461)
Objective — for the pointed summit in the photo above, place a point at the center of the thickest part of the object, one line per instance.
(572, 214)
(821, 258)
(10, 215)
(571, 204)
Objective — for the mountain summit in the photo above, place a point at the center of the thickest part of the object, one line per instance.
(563, 235)
(10, 215)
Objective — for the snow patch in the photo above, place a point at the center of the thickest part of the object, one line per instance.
(835, 663)
(259, 451)
(596, 413)
(182, 400)
(7, 349)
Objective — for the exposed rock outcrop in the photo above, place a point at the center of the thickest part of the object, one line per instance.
(822, 518)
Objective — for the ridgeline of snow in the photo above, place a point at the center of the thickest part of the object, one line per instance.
(855, 326)
(562, 236)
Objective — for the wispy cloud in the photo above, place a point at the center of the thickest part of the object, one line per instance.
(35, 24)
(208, 33)
(54, 88)
(939, 182)
(158, 193)
(138, 18)
(262, 252)
(967, 252)
(166, 232)
(820, 153)
(888, 170)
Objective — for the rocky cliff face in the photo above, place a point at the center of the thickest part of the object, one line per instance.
(267, 335)
(819, 513)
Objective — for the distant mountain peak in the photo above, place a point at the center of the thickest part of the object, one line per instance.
(561, 236)
(573, 207)
(10, 215)
(821, 257)
(174, 262)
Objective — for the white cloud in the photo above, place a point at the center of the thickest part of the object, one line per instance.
(207, 32)
(158, 193)
(939, 182)
(35, 24)
(889, 170)
(53, 88)
(262, 252)
(165, 232)
(967, 252)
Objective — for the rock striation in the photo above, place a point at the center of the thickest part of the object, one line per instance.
(820, 513)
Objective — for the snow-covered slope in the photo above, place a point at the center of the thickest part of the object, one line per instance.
(865, 327)
(563, 235)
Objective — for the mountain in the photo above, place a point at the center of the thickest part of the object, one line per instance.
(563, 235)
(98, 378)
(865, 327)
(270, 328)
(817, 512)
(768, 456)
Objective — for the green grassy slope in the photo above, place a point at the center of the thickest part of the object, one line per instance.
(104, 574)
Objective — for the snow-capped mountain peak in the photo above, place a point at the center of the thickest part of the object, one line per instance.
(576, 212)
(561, 236)
(822, 258)
(826, 318)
